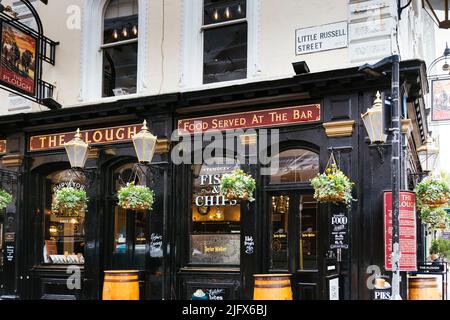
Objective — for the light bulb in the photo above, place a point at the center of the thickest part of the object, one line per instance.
(115, 34)
(135, 30)
(216, 15)
(239, 9)
(227, 13)
(125, 32)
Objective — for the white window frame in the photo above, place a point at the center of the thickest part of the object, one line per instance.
(92, 52)
(192, 55)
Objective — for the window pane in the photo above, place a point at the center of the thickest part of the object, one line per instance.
(121, 21)
(279, 215)
(63, 233)
(215, 225)
(219, 11)
(120, 70)
(295, 165)
(308, 234)
(225, 53)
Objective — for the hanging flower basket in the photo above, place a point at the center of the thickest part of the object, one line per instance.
(5, 199)
(436, 218)
(238, 185)
(69, 201)
(135, 197)
(432, 192)
(332, 186)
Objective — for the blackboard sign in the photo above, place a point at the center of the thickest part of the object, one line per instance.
(156, 245)
(10, 253)
(339, 231)
(216, 249)
(216, 293)
(429, 267)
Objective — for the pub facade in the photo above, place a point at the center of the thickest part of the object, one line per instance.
(208, 67)
(193, 238)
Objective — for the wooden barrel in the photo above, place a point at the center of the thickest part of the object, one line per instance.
(272, 287)
(423, 288)
(121, 285)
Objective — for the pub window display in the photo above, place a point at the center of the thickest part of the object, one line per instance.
(120, 48)
(64, 233)
(225, 41)
(215, 224)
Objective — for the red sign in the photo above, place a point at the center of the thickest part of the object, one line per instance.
(92, 137)
(407, 231)
(252, 119)
(440, 103)
(2, 146)
(18, 59)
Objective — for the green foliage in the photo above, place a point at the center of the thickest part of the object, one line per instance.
(441, 247)
(238, 185)
(5, 199)
(333, 186)
(69, 200)
(434, 217)
(135, 197)
(432, 191)
(432, 196)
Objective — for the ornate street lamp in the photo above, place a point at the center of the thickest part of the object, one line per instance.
(433, 8)
(428, 154)
(373, 121)
(77, 151)
(144, 144)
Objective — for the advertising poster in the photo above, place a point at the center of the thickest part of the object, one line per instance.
(441, 100)
(18, 59)
(407, 226)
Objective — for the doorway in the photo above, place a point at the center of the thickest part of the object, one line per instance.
(293, 225)
(293, 230)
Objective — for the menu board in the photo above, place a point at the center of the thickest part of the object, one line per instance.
(215, 249)
(407, 231)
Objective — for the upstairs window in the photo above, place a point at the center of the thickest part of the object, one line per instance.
(120, 48)
(225, 33)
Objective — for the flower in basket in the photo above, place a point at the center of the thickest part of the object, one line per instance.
(436, 218)
(69, 201)
(5, 199)
(432, 192)
(238, 185)
(135, 197)
(332, 186)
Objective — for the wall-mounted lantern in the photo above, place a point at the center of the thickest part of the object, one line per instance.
(145, 144)
(77, 151)
(428, 154)
(373, 121)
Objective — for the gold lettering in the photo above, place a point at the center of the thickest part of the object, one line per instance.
(98, 136)
(87, 138)
(120, 133)
(296, 114)
(61, 139)
(109, 135)
(131, 132)
(52, 141)
(43, 139)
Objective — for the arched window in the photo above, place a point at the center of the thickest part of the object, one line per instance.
(120, 48)
(295, 166)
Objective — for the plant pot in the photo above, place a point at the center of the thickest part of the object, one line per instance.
(338, 197)
(436, 203)
(128, 206)
(231, 195)
(71, 212)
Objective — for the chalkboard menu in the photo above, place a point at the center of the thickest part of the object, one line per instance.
(339, 231)
(216, 249)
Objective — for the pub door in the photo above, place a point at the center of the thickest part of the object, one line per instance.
(294, 240)
(125, 231)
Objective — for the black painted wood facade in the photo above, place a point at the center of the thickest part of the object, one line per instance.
(343, 94)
